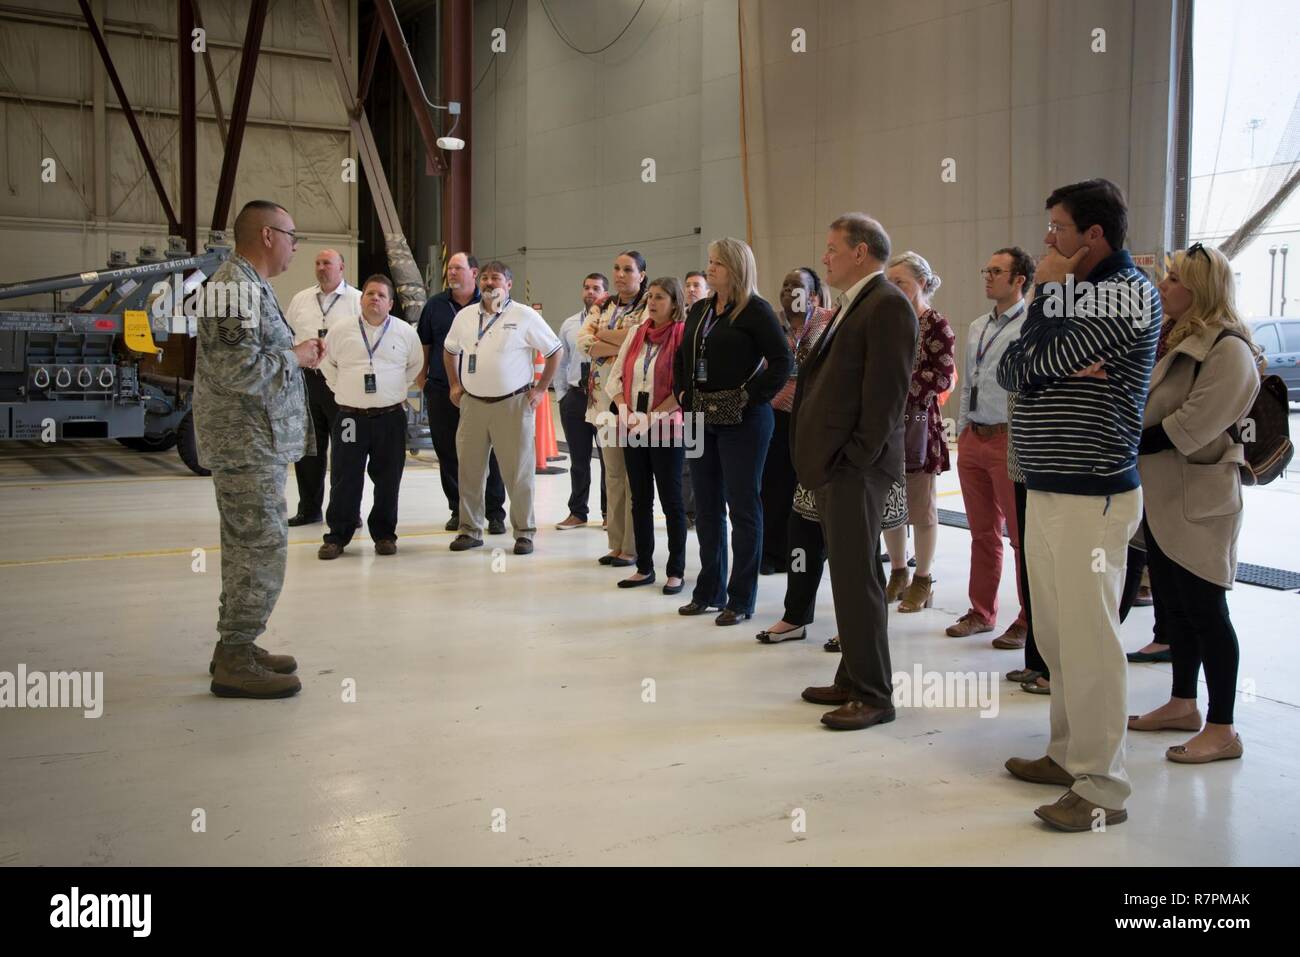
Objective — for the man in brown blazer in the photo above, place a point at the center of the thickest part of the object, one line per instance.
(846, 440)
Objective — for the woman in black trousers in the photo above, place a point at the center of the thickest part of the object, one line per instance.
(650, 429)
(719, 374)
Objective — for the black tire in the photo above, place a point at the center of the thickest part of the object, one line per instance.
(188, 446)
(150, 443)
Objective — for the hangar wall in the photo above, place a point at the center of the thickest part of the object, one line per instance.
(53, 91)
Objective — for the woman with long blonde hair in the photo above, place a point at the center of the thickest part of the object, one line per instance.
(1204, 381)
(720, 375)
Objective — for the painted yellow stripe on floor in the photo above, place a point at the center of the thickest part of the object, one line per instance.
(165, 552)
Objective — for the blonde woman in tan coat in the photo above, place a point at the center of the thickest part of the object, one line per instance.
(1204, 382)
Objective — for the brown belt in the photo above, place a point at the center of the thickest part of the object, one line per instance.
(371, 413)
(501, 398)
(987, 430)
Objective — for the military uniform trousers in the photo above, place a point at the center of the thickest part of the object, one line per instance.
(254, 548)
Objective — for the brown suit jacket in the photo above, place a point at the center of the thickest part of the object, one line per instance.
(848, 404)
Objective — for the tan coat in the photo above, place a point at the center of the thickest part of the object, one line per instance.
(1192, 492)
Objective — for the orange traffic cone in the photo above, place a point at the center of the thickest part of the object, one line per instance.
(545, 447)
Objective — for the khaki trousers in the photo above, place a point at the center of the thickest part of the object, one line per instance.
(507, 428)
(618, 495)
(1076, 547)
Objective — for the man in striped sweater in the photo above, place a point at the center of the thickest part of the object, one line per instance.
(1081, 368)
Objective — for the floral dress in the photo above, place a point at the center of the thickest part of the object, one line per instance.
(933, 373)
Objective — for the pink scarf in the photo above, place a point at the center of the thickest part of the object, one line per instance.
(666, 339)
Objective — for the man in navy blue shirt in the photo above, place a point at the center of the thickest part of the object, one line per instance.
(444, 417)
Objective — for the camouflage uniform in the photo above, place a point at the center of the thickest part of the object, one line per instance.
(250, 419)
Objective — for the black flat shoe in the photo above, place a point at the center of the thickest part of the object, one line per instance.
(453, 524)
(833, 645)
(769, 637)
(622, 562)
(605, 559)
(674, 589)
(1142, 657)
(496, 527)
(694, 608)
(301, 519)
(731, 617)
(637, 582)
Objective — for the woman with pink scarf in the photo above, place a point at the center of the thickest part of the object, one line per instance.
(650, 429)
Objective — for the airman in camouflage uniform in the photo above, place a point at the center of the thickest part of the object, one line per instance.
(251, 422)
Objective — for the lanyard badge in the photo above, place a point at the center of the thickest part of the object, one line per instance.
(368, 378)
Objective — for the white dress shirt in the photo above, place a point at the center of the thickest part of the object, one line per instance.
(571, 360)
(842, 305)
(398, 357)
(995, 333)
(311, 310)
(503, 354)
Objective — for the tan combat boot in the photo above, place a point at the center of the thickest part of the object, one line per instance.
(239, 675)
(280, 664)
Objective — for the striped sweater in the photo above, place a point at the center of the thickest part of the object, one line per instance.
(1080, 435)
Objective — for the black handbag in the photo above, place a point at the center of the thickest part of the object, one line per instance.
(725, 406)
(916, 439)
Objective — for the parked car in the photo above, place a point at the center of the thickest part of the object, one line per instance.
(1279, 337)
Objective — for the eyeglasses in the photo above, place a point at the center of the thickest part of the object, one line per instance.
(1055, 228)
(992, 273)
(293, 236)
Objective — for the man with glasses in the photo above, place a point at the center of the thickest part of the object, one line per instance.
(1080, 371)
(986, 487)
(311, 314)
(250, 418)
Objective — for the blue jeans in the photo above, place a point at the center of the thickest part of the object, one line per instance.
(727, 479)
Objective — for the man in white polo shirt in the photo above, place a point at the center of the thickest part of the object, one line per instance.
(370, 365)
(311, 314)
(488, 355)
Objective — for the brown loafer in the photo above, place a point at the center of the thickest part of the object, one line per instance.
(729, 616)
(386, 547)
(329, 551)
(571, 522)
(1233, 749)
(1191, 722)
(1040, 771)
(1073, 813)
(967, 625)
(855, 715)
(1022, 675)
(827, 694)
(1013, 638)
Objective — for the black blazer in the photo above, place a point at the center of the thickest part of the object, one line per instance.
(849, 401)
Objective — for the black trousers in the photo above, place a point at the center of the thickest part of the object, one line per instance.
(851, 505)
(310, 469)
(1033, 660)
(1197, 611)
(778, 491)
(646, 468)
(377, 447)
(580, 437)
(804, 572)
(444, 419)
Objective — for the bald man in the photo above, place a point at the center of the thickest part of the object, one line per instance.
(250, 417)
(311, 314)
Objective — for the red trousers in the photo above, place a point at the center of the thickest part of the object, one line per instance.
(990, 499)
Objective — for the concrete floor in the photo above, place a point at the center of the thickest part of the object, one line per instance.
(520, 691)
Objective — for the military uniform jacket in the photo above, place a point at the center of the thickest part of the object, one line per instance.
(250, 407)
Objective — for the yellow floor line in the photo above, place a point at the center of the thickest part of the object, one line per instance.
(160, 553)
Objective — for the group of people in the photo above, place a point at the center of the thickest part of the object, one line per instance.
(1094, 426)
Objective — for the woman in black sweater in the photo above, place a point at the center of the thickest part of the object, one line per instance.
(733, 359)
